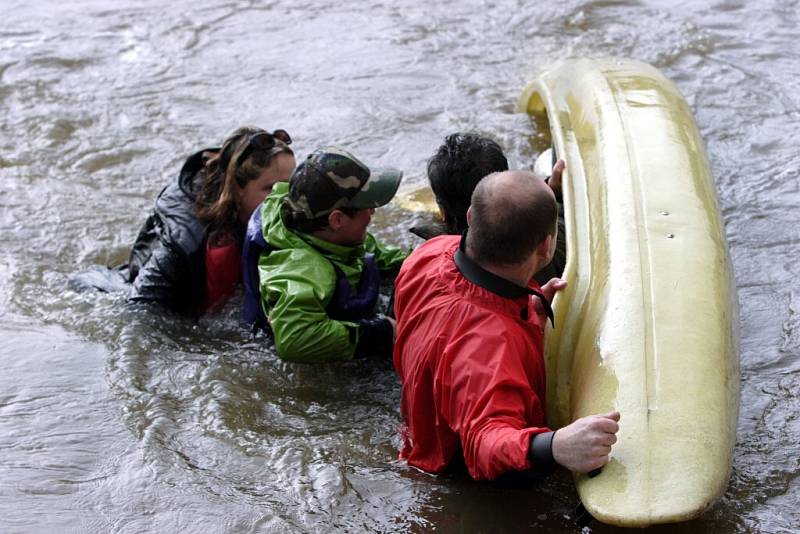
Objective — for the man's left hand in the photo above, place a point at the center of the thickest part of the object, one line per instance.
(553, 286)
(549, 290)
(554, 180)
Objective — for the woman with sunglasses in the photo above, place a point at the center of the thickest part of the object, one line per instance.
(187, 256)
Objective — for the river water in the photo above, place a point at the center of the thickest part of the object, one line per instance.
(114, 419)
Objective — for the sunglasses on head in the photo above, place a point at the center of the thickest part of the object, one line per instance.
(263, 141)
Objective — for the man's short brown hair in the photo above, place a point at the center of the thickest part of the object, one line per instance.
(510, 219)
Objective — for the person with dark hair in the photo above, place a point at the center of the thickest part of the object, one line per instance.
(454, 171)
(470, 341)
(187, 256)
(456, 168)
(312, 271)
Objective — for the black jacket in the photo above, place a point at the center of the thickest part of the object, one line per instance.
(167, 263)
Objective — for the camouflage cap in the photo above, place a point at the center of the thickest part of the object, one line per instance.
(332, 178)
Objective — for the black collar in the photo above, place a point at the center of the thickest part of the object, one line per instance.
(491, 282)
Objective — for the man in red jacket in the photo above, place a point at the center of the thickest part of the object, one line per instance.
(470, 341)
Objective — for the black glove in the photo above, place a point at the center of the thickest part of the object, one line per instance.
(428, 230)
(376, 337)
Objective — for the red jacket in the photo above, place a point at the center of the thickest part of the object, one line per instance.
(223, 271)
(471, 366)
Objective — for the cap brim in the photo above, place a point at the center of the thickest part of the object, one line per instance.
(378, 190)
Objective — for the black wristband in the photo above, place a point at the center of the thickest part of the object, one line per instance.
(540, 452)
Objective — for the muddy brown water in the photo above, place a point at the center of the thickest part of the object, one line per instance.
(113, 419)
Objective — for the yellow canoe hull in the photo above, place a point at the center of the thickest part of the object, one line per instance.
(648, 323)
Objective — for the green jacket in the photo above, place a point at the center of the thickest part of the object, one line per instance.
(297, 281)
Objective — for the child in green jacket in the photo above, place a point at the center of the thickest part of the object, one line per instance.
(319, 271)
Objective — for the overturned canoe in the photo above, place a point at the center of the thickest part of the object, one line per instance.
(648, 323)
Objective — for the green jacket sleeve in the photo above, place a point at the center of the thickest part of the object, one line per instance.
(388, 258)
(295, 288)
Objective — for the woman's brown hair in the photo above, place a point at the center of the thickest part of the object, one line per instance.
(225, 174)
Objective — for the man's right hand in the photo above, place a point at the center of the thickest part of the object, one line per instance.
(585, 444)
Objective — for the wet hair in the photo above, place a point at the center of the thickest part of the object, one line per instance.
(224, 174)
(456, 168)
(309, 226)
(510, 219)
(300, 223)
